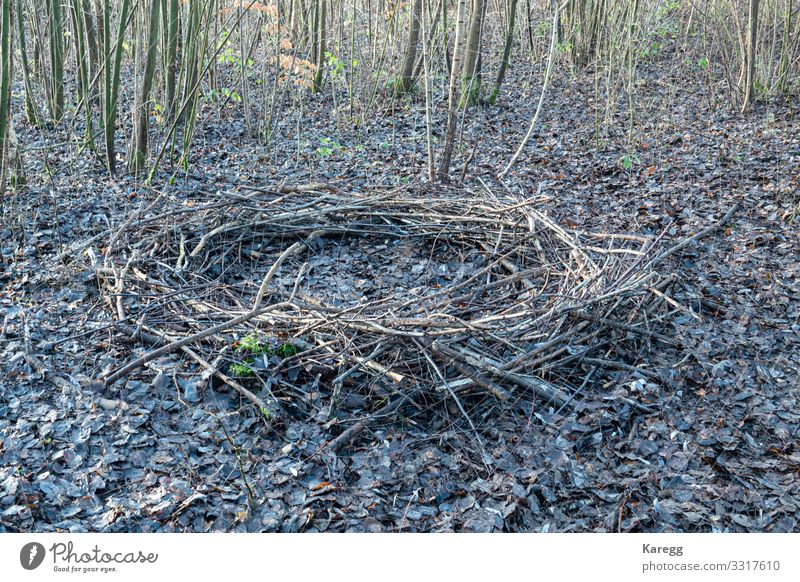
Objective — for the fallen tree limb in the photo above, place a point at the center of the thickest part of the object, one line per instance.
(352, 432)
(696, 237)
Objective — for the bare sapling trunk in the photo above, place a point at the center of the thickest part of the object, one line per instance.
(786, 51)
(5, 90)
(501, 74)
(471, 81)
(111, 78)
(191, 62)
(142, 114)
(750, 61)
(173, 18)
(84, 74)
(31, 111)
(406, 81)
(322, 32)
(56, 26)
(452, 97)
(548, 70)
(427, 88)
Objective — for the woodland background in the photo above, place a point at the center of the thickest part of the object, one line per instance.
(361, 265)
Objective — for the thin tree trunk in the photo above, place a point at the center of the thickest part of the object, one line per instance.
(93, 54)
(501, 74)
(6, 63)
(427, 88)
(406, 81)
(431, 41)
(314, 37)
(553, 40)
(448, 61)
(56, 24)
(243, 58)
(191, 60)
(752, 36)
(84, 76)
(31, 112)
(111, 78)
(786, 51)
(530, 25)
(139, 153)
(322, 32)
(471, 82)
(452, 101)
(101, 34)
(195, 44)
(173, 18)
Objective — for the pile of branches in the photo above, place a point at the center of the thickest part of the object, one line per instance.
(536, 309)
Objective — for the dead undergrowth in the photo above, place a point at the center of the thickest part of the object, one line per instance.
(297, 296)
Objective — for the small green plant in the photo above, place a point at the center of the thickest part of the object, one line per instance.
(398, 88)
(335, 65)
(241, 370)
(628, 160)
(158, 113)
(665, 30)
(266, 413)
(564, 47)
(234, 95)
(253, 345)
(285, 350)
(542, 29)
(652, 51)
(224, 93)
(229, 56)
(702, 62)
(328, 146)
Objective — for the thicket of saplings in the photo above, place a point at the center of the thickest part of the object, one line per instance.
(137, 76)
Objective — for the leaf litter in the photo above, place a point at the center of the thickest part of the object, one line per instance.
(696, 434)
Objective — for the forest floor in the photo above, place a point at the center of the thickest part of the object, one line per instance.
(159, 451)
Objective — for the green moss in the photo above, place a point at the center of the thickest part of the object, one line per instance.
(285, 351)
(254, 345)
(241, 371)
(470, 91)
